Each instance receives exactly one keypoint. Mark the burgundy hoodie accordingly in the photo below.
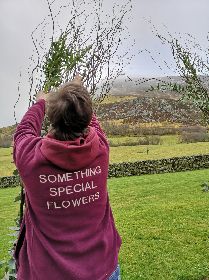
(70, 230)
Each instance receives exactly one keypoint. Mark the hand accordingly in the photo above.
(41, 95)
(77, 80)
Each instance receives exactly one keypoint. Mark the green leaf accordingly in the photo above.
(15, 172)
(2, 263)
(17, 198)
(11, 264)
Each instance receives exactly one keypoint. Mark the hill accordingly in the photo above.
(132, 102)
(135, 86)
(146, 107)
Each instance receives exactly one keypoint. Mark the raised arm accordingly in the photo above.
(28, 133)
(95, 123)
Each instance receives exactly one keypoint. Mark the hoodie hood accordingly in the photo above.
(74, 154)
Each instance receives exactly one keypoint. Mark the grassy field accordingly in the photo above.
(164, 140)
(134, 153)
(8, 212)
(6, 165)
(163, 221)
(170, 148)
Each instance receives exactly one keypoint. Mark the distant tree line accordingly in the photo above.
(6, 136)
(5, 141)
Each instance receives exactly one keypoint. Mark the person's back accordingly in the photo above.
(70, 231)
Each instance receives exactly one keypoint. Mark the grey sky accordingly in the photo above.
(18, 18)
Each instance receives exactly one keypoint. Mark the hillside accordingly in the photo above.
(132, 102)
(148, 107)
(135, 86)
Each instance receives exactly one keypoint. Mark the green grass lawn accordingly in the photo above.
(6, 165)
(164, 224)
(8, 213)
(134, 153)
(164, 139)
(163, 220)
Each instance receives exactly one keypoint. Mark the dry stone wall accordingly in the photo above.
(169, 165)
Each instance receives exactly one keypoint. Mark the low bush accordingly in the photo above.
(192, 129)
(5, 141)
(124, 129)
(125, 143)
(194, 137)
(194, 134)
(150, 140)
(114, 129)
(144, 140)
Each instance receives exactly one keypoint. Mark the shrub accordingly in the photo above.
(5, 141)
(195, 128)
(194, 137)
(125, 129)
(194, 134)
(144, 140)
(116, 129)
(129, 143)
(150, 140)
(157, 130)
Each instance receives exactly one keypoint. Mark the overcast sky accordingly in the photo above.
(18, 18)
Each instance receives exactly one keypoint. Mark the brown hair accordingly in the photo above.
(69, 111)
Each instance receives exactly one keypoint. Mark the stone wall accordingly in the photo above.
(169, 165)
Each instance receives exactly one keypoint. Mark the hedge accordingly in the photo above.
(124, 169)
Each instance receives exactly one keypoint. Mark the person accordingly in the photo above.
(68, 230)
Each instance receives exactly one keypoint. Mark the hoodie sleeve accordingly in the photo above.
(96, 125)
(28, 134)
